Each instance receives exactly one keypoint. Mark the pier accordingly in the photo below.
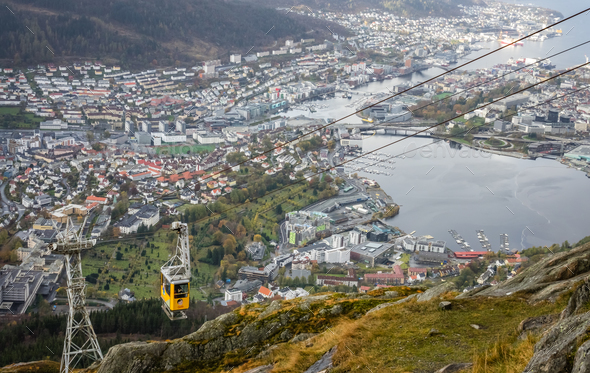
(460, 241)
(483, 240)
(504, 242)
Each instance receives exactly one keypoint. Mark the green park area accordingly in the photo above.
(496, 143)
(15, 117)
(135, 264)
(441, 96)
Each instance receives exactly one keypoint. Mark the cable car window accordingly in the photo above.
(181, 290)
(167, 287)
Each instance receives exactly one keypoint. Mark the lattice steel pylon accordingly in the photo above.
(80, 339)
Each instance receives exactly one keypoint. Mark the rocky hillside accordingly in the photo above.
(538, 321)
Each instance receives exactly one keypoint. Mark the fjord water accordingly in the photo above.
(537, 202)
(574, 31)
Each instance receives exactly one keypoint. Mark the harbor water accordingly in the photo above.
(444, 188)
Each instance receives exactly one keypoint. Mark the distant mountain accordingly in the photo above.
(141, 32)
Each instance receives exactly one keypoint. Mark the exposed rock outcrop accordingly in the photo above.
(558, 343)
(547, 279)
(324, 363)
(384, 305)
(247, 332)
(535, 324)
(436, 291)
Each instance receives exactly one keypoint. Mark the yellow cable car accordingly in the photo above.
(175, 294)
(175, 277)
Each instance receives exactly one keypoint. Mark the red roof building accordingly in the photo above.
(469, 254)
(100, 200)
(395, 277)
(265, 292)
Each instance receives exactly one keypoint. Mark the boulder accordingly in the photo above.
(445, 306)
(336, 310)
(391, 294)
(432, 332)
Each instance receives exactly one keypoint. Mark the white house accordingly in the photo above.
(233, 294)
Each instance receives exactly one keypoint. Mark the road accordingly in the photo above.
(6, 202)
(5, 209)
(283, 239)
(65, 183)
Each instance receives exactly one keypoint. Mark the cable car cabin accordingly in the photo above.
(175, 276)
(175, 296)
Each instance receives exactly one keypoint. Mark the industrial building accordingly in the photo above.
(264, 274)
(371, 253)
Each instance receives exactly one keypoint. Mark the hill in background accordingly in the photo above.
(146, 32)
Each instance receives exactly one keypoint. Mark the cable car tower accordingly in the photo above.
(175, 276)
(80, 339)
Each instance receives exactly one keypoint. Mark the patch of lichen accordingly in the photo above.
(199, 342)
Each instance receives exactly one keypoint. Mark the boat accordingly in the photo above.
(547, 64)
(349, 95)
(369, 120)
(507, 41)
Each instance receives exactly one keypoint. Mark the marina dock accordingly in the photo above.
(483, 240)
(460, 241)
(504, 245)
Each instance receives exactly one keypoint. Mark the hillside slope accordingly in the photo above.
(142, 32)
(405, 332)
(541, 325)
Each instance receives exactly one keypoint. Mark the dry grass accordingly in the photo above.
(396, 339)
(506, 356)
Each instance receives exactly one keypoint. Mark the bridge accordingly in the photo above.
(398, 131)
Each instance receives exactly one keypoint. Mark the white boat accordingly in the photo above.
(507, 41)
